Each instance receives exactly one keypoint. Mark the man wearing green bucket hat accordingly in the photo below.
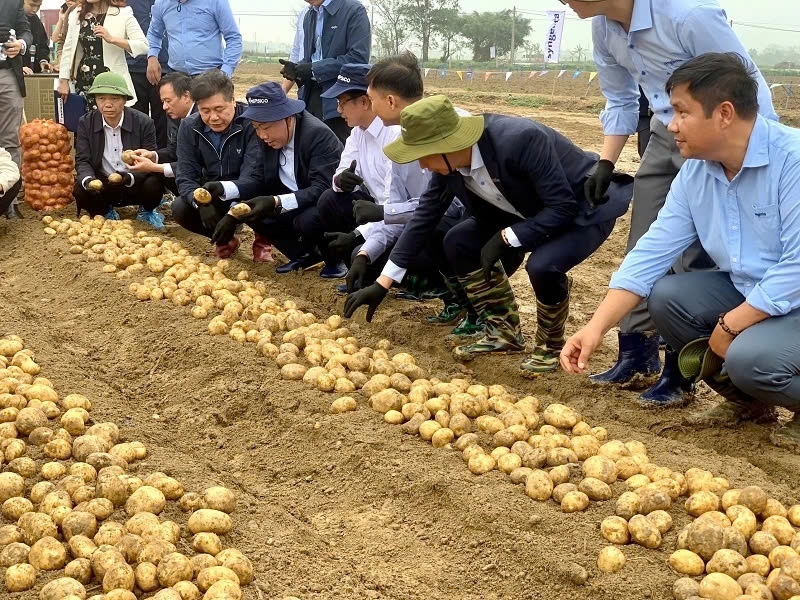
(104, 180)
(522, 183)
(738, 327)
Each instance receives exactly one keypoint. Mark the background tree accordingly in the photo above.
(390, 33)
(579, 53)
(487, 29)
(449, 38)
(425, 19)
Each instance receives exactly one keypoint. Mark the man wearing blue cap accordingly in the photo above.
(298, 154)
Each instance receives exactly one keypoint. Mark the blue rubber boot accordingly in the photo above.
(111, 215)
(151, 217)
(638, 355)
(672, 389)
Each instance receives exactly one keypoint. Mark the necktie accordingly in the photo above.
(313, 31)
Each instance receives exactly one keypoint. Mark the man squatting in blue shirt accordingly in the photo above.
(737, 194)
(640, 43)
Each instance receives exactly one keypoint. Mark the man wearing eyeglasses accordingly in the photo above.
(640, 43)
(335, 33)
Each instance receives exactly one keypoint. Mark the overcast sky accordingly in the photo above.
(785, 14)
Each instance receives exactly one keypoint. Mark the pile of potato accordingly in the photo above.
(744, 543)
(68, 501)
(47, 164)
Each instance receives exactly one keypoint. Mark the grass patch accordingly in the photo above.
(527, 101)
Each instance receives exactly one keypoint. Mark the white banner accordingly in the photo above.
(552, 42)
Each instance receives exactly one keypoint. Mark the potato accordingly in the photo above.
(779, 555)
(686, 562)
(749, 579)
(754, 498)
(560, 416)
(207, 543)
(220, 498)
(119, 576)
(644, 532)
(685, 589)
(209, 520)
(79, 569)
(239, 564)
(223, 590)
(81, 547)
(10, 534)
(343, 404)
(558, 475)
(11, 485)
(36, 526)
(705, 537)
(783, 587)
(595, 489)
(610, 559)
(201, 196)
(702, 502)
(774, 508)
(442, 437)
(509, 463)
(562, 490)
(146, 576)
(758, 563)
(173, 568)
(187, 590)
(208, 577)
(59, 589)
(729, 562)
(615, 530)
(539, 486)
(293, 372)
(628, 505)
(48, 554)
(14, 553)
(793, 514)
(600, 467)
(661, 519)
(20, 578)
(718, 586)
(574, 502)
(14, 508)
(651, 499)
(118, 595)
(780, 527)
(480, 463)
(29, 419)
(100, 508)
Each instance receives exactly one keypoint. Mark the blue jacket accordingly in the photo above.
(538, 170)
(346, 38)
(141, 10)
(239, 161)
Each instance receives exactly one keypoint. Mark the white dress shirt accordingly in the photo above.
(296, 55)
(112, 152)
(287, 175)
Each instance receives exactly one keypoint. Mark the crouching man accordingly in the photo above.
(219, 152)
(522, 184)
(104, 181)
(9, 180)
(738, 327)
(299, 154)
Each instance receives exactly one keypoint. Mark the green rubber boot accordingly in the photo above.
(551, 324)
(495, 305)
(736, 407)
(455, 305)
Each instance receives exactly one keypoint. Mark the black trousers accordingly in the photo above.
(148, 101)
(332, 214)
(8, 198)
(547, 265)
(147, 191)
(314, 106)
(283, 231)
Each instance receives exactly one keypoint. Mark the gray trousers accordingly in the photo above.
(763, 361)
(11, 106)
(659, 167)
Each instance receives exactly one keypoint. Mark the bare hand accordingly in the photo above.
(148, 154)
(27, 71)
(63, 89)
(143, 164)
(578, 349)
(103, 34)
(46, 67)
(13, 49)
(720, 341)
(153, 70)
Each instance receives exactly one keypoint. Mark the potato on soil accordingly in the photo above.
(781, 528)
(729, 562)
(146, 576)
(754, 498)
(187, 590)
(61, 588)
(595, 489)
(628, 505)
(14, 508)
(702, 502)
(760, 564)
(704, 537)
(220, 498)
(644, 532)
(293, 372)
(343, 405)
(574, 502)
(610, 560)
(208, 577)
(208, 520)
(20, 578)
(173, 568)
(686, 562)
(119, 576)
(480, 463)
(79, 569)
(442, 437)
(539, 486)
(718, 586)
(117, 595)
(559, 415)
(146, 499)
(223, 590)
(36, 526)
(11, 485)
(79, 523)
(600, 467)
(615, 530)
(562, 490)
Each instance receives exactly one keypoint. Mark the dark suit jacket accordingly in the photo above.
(12, 14)
(538, 170)
(346, 38)
(138, 131)
(42, 43)
(169, 154)
(316, 155)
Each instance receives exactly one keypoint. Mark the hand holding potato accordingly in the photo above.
(94, 186)
(144, 164)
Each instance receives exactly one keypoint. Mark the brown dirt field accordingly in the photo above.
(352, 508)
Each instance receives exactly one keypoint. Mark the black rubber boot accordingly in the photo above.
(672, 389)
(638, 355)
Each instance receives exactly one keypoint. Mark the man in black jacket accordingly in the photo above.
(300, 155)
(104, 180)
(175, 92)
(523, 185)
(220, 152)
(12, 84)
(37, 58)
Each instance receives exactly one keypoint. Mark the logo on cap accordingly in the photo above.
(258, 100)
(344, 79)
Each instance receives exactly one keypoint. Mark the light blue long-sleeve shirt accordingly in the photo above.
(318, 32)
(195, 30)
(749, 226)
(663, 35)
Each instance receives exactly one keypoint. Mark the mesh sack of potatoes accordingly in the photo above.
(47, 164)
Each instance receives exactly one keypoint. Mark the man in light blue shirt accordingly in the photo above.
(738, 197)
(195, 30)
(639, 43)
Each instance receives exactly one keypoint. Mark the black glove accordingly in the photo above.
(127, 179)
(261, 207)
(347, 180)
(596, 186)
(93, 190)
(5, 33)
(289, 70)
(209, 215)
(216, 190)
(372, 296)
(303, 72)
(355, 276)
(366, 211)
(342, 243)
(225, 230)
(493, 250)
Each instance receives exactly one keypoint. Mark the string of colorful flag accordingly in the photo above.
(468, 75)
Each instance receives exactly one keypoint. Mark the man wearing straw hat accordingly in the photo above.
(639, 43)
(522, 183)
(739, 199)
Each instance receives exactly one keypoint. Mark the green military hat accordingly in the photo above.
(697, 361)
(432, 126)
(109, 83)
